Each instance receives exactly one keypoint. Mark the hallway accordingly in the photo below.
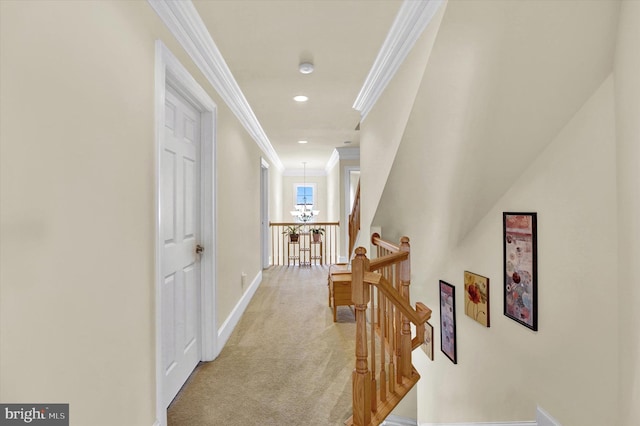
(286, 363)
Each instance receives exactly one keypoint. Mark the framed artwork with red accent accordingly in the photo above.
(476, 298)
(520, 268)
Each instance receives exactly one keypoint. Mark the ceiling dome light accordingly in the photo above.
(301, 98)
(306, 68)
(303, 141)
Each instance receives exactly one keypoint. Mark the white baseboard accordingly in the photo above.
(224, 332)
(544, 419)
(525, 423)
(392, 420)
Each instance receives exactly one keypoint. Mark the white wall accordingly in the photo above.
(495, 127)
(288, 199)
(504, 371)
(382, 129)
(77, 206)
(627, 79)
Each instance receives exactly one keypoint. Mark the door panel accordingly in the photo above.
(180, 225)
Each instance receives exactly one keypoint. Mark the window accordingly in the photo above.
(304, 194)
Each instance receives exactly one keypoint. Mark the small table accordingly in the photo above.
(339, 290)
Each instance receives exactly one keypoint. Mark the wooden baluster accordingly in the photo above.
(405, 336)
(382, 305)
(392, 346)
(361, 374)
(374, 395)
(397, 329)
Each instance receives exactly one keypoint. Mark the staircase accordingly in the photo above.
(383, 372)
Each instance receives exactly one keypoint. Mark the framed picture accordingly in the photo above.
(427, 345)
(476, 297)
(448, 321)
(520, 268)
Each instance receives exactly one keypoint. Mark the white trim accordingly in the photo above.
(264, 213)
(169, 70)
(301, 172)
(392, 420)
(184, 22)
(230, 323)
(341, 154)
(333, 160)
(544, 419)
(524, 423)
(352, 153)
(346, 182)
(411, 20)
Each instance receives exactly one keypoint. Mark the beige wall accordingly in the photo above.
(288, 200)
(505, 371)
(627, 78)
(275, 195)
(333, 193)
(382, 129)
(510, 117)
(77, 206)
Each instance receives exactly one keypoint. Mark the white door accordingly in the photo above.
(180, 227)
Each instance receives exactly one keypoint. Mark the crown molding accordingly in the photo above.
(301, 172)
(184, 22)
(351, 153)
(333, 160)
(411, 20)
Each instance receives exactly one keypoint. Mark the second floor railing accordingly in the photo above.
(305, 251)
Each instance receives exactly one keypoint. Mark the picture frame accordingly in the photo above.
(427, 344)
(520, 268)
(476, 298)
(448, 321)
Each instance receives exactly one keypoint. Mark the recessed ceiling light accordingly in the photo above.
(306, 68)
(303, 141)
(301, 98)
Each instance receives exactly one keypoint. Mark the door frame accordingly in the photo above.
(346, 182)
(264, 212)
(169, 71)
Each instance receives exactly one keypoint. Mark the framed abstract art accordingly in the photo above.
(520, 268)
(448, 321)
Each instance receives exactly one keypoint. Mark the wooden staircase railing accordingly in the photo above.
(354, 222)
(383, 372)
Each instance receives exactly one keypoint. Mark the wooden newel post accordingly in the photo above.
(405, 335)
(360, 295)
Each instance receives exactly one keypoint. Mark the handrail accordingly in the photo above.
(417, 318)
(354, 221)
(388, 260)
(381, 380)
(377, 241)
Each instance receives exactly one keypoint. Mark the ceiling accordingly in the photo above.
(264, 41)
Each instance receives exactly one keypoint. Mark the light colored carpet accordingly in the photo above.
(286, 363)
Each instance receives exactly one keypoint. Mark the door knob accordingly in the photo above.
(199, 249)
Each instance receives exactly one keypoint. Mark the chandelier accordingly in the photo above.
(304, 212)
